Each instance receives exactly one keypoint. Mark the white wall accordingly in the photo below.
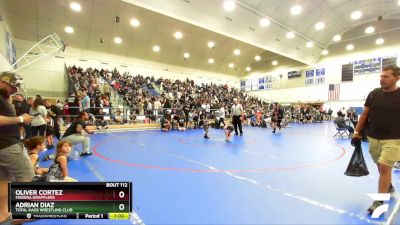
(48, 75)
(353, 93)
(44, 77)
(4, 63)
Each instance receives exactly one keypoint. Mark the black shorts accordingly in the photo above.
(49, 131)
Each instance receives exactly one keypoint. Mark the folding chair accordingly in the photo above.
(341, 132)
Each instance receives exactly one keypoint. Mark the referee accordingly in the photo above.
(237, 111)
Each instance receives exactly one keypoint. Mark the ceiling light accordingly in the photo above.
(211, 44)
(69, 29)
(309, 44)
(186, 55)
(236, 52)
(117, 40)
(229, 5)
(356, 15)
(398, 3)
(178, 35)
(134, 22)
(257, 58)
(337, 37)
(379, 41)
(75, 6)
(211, 60)
(296, 10)
(349, 47)
(324, 52)
(264, 22)
(319, 26)
(156, 48)
(231, 65)
(370, 30)
(290, 35)
(274, 62)
(248, 69)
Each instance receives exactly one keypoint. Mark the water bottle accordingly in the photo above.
(76, 155)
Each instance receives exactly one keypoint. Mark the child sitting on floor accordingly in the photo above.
(228, 130)
(181, 122)
(35, 145)
(58, 171)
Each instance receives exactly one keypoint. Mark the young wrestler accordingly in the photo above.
(228, 130)
(60, 161)
(35, 145)
(206, 126)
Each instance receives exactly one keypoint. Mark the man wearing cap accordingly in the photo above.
(14, 160)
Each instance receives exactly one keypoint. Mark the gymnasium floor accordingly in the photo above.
(292, 177)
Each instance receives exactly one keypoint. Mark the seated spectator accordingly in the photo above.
(100, 121)
(181, 122)
(174, 121)
(195, 119)
(258, 117)
(106, 89)
(265, 120)
(341, 123)
(34, 146)
(190, 120)
(166, 123)
(85, 102)
(118, 117)
(132, 117)
(307, 118)
(253, 120)
(75, 107)
(60, 105)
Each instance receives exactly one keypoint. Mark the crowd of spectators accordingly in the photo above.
(194, 101)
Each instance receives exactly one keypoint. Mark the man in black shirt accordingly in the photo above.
(14, 161)
(75, 136)
(382, 108)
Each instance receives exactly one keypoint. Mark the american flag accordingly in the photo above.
(334, 92)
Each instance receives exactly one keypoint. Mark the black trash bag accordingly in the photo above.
(357, 166)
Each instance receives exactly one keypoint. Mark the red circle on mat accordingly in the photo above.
(262, 170)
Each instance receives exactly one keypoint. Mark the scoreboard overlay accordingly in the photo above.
(70, 200)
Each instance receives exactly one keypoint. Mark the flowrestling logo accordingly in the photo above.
(383, 208)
